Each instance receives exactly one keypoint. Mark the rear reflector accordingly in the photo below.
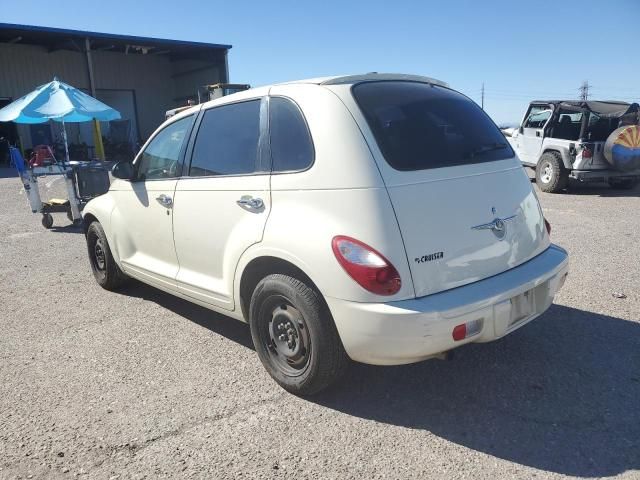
(466, 330)
(366, 266)
(460, 332)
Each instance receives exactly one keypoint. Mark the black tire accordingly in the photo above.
(294, 335)
(105, 269)
(551, 176)
(47, 220)
(623, 184)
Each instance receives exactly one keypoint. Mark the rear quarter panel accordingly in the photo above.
(560, 146)
(303, 223)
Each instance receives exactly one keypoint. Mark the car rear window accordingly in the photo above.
(420, 126)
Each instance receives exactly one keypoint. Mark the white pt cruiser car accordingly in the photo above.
(378, 218)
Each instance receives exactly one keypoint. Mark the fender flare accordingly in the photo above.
(564, 153)
(259, 250)
(101, 209)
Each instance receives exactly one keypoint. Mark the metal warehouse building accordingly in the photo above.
(140, 77)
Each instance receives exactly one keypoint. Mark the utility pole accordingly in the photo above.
(584, 90)
(482, 101)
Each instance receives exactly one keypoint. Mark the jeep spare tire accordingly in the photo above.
(622, 148)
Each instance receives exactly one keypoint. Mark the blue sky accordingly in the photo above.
(521, 50)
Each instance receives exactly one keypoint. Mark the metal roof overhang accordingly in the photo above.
(65, 39)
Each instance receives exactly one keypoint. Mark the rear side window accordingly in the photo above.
(291, 146)
(227, 141)
(568, 125)
(420, 126)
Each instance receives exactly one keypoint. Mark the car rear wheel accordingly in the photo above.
(105, 269)
(294, 335)
(551, 176)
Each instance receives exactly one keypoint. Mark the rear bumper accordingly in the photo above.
(603, 175)
(412, 330)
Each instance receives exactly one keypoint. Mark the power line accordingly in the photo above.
(532, 96)
(523, 93)
(482, 94)
(620, 89)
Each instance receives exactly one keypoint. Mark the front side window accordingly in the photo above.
(227, 141)
(420, 126)
(291, 146)
(538, 117)
(161, 158)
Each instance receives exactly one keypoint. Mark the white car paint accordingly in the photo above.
(199, 248)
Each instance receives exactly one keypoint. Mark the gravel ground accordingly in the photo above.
(140, 384)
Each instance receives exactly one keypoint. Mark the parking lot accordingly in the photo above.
(140, 384)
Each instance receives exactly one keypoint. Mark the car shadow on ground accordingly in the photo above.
(220, 324)
(562, 394)
(69, 228)
(601, 190)
(594, 189)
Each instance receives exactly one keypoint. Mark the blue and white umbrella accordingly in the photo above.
(57, 101)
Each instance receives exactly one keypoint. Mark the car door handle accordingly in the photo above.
(164, 200)
(255, 203)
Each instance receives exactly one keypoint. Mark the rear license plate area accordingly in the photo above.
(522, 307)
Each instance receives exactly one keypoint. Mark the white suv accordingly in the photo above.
(381, 218)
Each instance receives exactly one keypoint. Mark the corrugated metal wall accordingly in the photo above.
(24, 67)
(148, 75)
(187, 73)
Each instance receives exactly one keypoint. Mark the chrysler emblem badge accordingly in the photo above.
(498, 226)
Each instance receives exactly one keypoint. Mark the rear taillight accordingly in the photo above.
(547, 225)
(466, 330)
(366, 266)
(587, 153)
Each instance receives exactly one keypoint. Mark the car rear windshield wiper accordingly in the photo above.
(484, 148)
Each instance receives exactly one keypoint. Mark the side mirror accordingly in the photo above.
(521, 129)
(122, 170)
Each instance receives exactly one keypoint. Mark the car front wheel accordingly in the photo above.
(294, 335)
(105, 269)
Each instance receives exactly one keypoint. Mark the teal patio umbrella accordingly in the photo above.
(57, 101)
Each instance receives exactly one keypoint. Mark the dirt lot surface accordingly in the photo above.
(139, 384)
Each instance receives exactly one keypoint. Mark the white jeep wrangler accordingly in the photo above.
(589, 141)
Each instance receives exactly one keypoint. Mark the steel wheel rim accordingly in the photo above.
(99, 255)
(285, 336)
(547, 173)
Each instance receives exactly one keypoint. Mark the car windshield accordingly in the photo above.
(420, 126)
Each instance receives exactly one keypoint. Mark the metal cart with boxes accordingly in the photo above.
(83, 181)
